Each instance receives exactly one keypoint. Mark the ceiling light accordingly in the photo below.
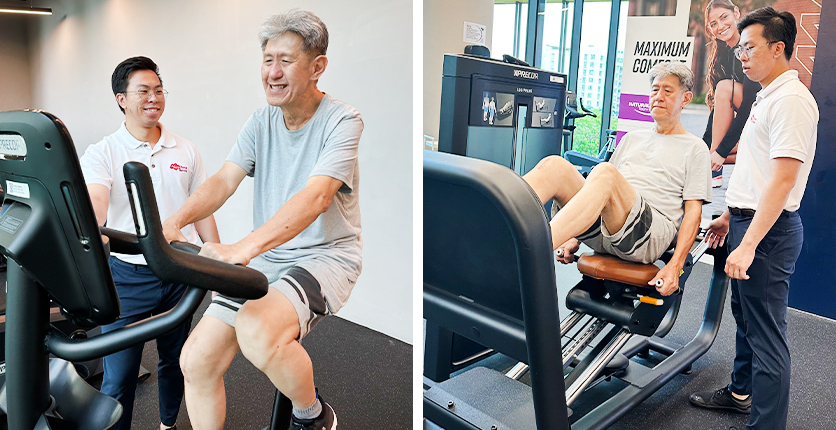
(26, 10)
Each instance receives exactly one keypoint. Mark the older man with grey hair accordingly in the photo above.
(302, 151)
(654, 186)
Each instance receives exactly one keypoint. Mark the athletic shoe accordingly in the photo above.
(721, 399)
(327, 420)
(717, 181)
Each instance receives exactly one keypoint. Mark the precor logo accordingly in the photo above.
(525, 74)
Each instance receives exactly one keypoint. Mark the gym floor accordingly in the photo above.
(365, 375)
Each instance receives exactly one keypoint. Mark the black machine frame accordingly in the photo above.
(489, 277)
(46, 207)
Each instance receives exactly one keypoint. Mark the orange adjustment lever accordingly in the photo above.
(651, 300)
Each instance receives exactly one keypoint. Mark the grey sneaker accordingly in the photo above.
(327, 420)
(721, 399)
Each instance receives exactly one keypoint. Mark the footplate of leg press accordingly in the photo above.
(485, 398)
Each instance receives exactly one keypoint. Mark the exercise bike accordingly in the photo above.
(57, 254)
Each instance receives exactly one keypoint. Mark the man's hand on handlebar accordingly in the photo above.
(172, 232)
(669, 275)
(232, 254)
(566, 253)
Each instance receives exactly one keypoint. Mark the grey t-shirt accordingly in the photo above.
(665, 169)
(281, 161)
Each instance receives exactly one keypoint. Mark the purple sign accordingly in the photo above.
(618, 136)
(635, 107)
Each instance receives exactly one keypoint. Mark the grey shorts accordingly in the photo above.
(307, 284)
(643, 238)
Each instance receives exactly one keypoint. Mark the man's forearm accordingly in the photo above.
(207, 199)
(771, 204)
(207, 230)
(294, 216)
(685, 239)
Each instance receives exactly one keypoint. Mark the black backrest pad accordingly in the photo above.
(486, 234)
(47, 224)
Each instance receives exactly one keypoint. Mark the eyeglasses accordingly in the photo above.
(740, 51)
(146, 94)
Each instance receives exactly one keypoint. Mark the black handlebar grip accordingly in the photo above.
(175, 265)
(185, 246)
(121, 242)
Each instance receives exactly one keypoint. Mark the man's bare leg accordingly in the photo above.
(267, 329)
(205, 357)
(605, 193)
(554, 178)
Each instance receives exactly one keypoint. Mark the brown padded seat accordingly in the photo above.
(603, 266)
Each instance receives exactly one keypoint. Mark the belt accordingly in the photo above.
(742, 212)
(750, 213)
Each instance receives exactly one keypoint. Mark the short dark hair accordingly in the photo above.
(777, 26)
(119, 79)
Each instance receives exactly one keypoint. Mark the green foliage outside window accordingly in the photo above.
(588, 133)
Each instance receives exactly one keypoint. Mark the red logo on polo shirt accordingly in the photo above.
(179, 168)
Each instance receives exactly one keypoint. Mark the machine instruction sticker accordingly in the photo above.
(17, 189)
(10, 224)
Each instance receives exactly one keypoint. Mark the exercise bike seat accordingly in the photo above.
(612, 268)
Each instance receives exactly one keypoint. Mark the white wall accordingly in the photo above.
(15, 86)
(209, 60)
(444, 34)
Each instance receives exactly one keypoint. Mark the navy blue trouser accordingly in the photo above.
(759, 306)
(142, 295)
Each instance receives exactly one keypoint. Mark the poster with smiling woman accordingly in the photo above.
(703, 34)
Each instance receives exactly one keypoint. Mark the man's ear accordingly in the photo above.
(319, 65)
(687, 99)
(778, 48)
(120, 98)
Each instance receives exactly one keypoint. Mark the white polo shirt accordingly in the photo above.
(176, 170)
(783, 123)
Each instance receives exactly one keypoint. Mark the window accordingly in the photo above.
(560, 43)
(510, 25)
(557, 36)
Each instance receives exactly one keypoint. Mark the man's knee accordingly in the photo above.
(554, 165)
(190, 368)
(264, 340)
(605, 172)
(199, 364)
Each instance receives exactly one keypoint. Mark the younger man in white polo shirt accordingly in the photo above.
(763, 226)
(176, 171)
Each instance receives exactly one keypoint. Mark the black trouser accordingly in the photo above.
(141, 295)
(759, 306)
